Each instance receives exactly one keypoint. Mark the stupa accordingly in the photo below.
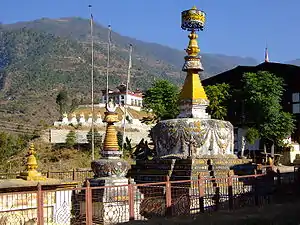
(110, 170)
(189, 146)
(193, 134)
(30, 173)
(192, 144)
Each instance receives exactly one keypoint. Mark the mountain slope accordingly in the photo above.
(154, 54)
(295, 62)
(39, 58)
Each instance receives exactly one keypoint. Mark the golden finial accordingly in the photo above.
(30, 172)
(194, 7)
(110, 141)
(193, 48)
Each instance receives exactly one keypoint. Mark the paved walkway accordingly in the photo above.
(279, 214)
(285, 169)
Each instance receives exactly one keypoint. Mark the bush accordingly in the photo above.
(71, 139)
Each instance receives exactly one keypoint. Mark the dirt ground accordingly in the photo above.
(279, 214)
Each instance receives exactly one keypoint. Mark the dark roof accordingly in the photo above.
(235, 75)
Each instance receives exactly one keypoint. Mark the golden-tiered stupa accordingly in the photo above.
(30, 173)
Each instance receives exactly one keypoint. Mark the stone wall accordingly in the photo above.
(59, 136)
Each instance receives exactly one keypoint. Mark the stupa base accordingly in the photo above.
(31, 176)
(193, 138)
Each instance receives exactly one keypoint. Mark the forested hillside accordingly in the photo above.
(39, 58)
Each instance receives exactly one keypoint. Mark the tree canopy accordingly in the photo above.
(62, 100)
(263, 92)
(162, 98)
(218, 96)
(97, 138)
(71, 139)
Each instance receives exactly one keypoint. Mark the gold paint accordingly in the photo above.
(193, 48)
(110, 140)
(30, 173)
(192, 88)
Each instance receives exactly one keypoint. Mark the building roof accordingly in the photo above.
(235, 75)
(121, 89)
(86, 111)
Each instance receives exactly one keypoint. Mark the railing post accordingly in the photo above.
(168, 197)
(48, 174)
(74, 175)
(278, 176)
(230, 191)
(256, 199)
(40, 207)
(88, 204)
(201, 190)
(131, 199)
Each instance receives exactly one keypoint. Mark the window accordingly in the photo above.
(296, 108)
(296, 102)
(295, 97)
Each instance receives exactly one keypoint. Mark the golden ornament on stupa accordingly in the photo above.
(192, 93)
(30, 173)
(110, 146)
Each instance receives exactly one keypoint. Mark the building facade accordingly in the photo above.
(290, 99)
(134, 98)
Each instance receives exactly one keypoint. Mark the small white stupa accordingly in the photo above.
(89, 121)
(99, 119)
(65, 120)
(82, 119)
(74, 119)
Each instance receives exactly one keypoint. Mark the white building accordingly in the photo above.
(134, 98)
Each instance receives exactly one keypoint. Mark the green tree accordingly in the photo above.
(263, 91)
(74, 104)
(97, 138)
(120, 139)
(71, 139)
(62, 101)
(162, 98)
(218, 96)
(128, 150)
(12, 144)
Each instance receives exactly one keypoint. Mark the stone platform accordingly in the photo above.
(156, 170)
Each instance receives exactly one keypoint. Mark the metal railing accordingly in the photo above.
(71, 175)
(117, 204)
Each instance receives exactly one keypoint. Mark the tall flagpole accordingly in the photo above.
(108, 62)
(92, 78)
(127, 89)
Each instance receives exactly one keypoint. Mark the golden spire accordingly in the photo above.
(110, 144)
(192, 88)
(30, 172)
(193, 99)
